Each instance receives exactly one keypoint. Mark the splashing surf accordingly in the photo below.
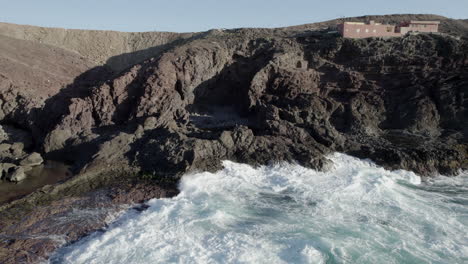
(356, 212)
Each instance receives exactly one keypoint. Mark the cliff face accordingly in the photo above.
(252, 97)
(262, 95)
(178, 103)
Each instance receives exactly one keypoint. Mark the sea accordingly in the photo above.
(354, 212)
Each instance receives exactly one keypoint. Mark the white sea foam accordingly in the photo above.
(356, 212)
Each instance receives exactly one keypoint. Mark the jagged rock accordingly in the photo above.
(17, 174)
(4, 147)
(56, 139)
(210, 97)
(226, 139)
(150, 123)
(33, 159)
(139, 131)
(247, 95)
(5, 169)
(17, 149)
(257, 96)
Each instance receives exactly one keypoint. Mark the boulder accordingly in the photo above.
(33, 159)
(150, 123)
(17, 174)
(226, 139)
(17, 149)
(56, 139)
(5, 169)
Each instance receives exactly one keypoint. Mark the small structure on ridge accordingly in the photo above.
(372, 29)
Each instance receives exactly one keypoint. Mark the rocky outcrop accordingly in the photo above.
(248, 95)
(33, 159)
(16, 175)
(31, 74)
(51, 226)
(252, 97)
(259, 96)
(14, 158)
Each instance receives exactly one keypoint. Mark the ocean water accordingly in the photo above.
(356, 212)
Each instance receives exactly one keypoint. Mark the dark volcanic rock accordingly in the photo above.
(16, 174)
(248, 95)
(256, 98)
(36, 234)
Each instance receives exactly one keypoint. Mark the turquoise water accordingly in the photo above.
(356, 212)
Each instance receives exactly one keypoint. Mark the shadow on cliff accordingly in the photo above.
(220, 103)
(230, 87)
(48, 117)
(81, 87)
(125, 60)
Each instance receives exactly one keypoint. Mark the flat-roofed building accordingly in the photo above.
(372, 29)
(419, 26)
(366, 30)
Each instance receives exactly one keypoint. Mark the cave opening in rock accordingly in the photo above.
(223, 100)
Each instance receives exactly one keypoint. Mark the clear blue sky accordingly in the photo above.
(200, 15)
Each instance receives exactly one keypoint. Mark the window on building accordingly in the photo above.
(367, 30)
(358, 30)
(374, 31)
(389, 29)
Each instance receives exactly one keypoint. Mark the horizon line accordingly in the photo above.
(188, 32)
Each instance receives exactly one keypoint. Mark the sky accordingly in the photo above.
(202, 15)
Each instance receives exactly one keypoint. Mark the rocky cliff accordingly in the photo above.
(256, 96)
(175, 103)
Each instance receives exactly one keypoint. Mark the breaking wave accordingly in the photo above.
(356, 212)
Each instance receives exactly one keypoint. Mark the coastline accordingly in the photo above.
(132, 124)
(34, 226)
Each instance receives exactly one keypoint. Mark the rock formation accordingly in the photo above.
(255, 96)
(248, 95)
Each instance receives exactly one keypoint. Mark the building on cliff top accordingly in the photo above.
(372, 29)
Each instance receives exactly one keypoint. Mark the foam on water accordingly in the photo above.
(356, 212)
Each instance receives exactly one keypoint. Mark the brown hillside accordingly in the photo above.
(36, 68)
(97, 46)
